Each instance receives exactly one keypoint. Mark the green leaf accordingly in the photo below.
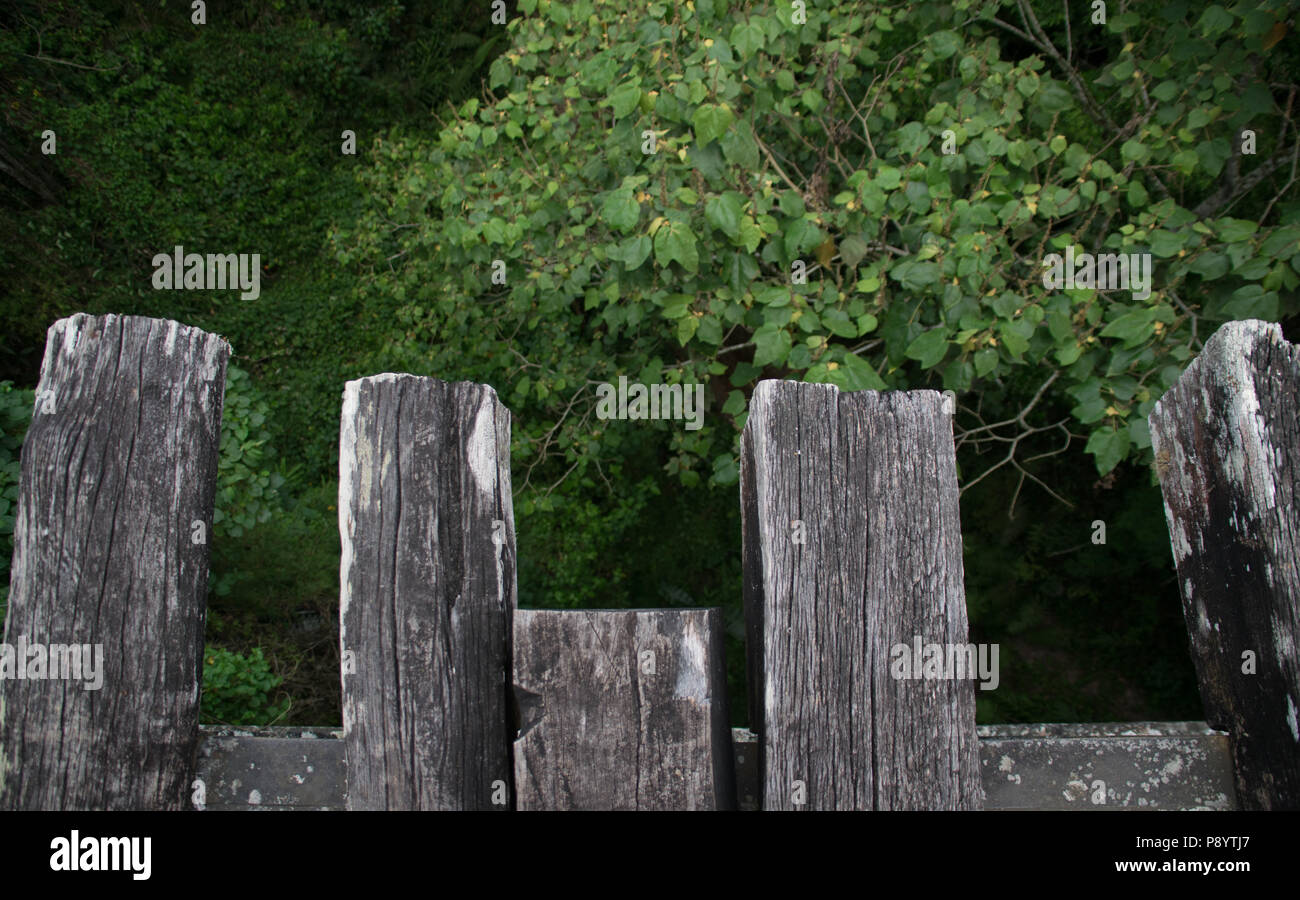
(1186, 161)
(621, 211)
(856, 374)
(739, 147)
(494, 229)
(1251, 302)
(929, 347)
(675, 242)
(747, 38)
(1132, 328)
(800, 236)
(1215, 20)
(677, 306)
(837, 322)
(711, 121)
(852, 250)
(771, 344)
(724, 211)
(1233, 230)
(1166, 91)
(624, 99)
(915, 276)
(1053, 97)
(986, 361)
(945, 43)
(888, 177)
(772, 295)
(1108, 446)
(1134, 150)
(725, 470)
(1015, 335)
(1210, 265)
(1166, 243)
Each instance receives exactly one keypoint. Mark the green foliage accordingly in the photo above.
(15, 415)
(775, 141)
(232, 144)
(276, 587)
(926, 267)
(248, 491)
(237, 689)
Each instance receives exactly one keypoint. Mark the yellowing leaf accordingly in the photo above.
(826, 251)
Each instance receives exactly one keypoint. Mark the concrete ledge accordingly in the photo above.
(1080, 766)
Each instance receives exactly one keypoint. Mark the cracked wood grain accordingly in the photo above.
(852, 545)
(622, 710)
(1226, 440)
(427, 588)
(111, 548)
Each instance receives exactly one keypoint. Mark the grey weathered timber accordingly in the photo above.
(1227, 447)
(427, 588)
(279, 768)
(111, 552)
(1129, 765)
(852, 546)
(1145, 765)
(622, 710)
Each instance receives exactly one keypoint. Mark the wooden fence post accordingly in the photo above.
(427, 589)
(622, 710)
(852, 548)
(1226, 439)
(110, 567)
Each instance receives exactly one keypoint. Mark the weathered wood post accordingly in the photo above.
(427, 589)
(622, 710)
(1227, 446)
(852, 549)
(110, 567)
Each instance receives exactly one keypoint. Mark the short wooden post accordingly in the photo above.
(852, 549)
(622, 710)
(427, 584)
(1226, 439)
(110, 567)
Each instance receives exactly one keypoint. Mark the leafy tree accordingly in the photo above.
(782, 142)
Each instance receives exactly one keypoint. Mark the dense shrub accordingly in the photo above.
(821, 144)
(237, 689)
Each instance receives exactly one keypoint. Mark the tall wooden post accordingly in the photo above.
(110, 568)
(427, 587)
(852, 549)
(1227, 448)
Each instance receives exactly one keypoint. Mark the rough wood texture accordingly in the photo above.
(1227, 448)
(111, 548)
(427, 588)
(868, 482)
(622, 710)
